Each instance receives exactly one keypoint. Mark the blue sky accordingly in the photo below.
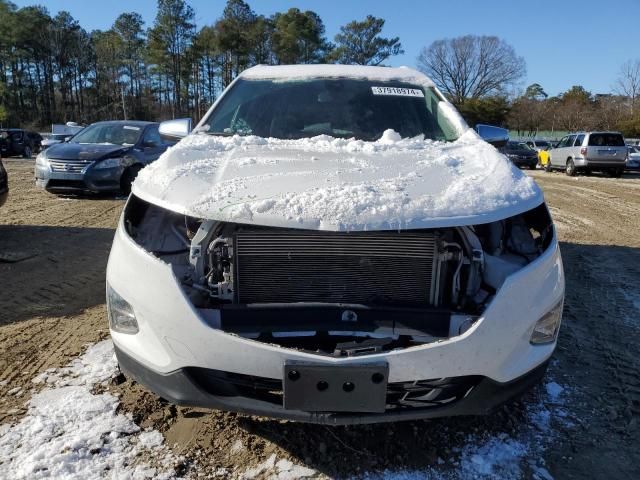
(564, 42)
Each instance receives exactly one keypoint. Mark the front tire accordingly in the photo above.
(571, 168)
(128, 176)
(616, 172)
(27, 152)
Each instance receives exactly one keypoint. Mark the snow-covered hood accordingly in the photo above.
(335, 184)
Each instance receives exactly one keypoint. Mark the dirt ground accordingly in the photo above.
(53, 254)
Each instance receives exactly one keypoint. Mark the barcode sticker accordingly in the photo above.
(398, 91)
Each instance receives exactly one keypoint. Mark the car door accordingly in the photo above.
(152, 144)
(565, 151)
(556, 153)
(17, 142)
(577, 144)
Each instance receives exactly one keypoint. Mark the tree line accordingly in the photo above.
(480, 74)
(52, 70)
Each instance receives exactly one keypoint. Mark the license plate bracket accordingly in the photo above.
(335, 388)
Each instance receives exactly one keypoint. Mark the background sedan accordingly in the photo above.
(105, 156)
(521, 154)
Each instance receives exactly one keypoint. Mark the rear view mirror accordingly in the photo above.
(496, 136)
(175, 129)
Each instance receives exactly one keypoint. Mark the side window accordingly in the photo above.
(563, 142)
(579, 140)
(152, 136)
(16, 136)
(570, 140)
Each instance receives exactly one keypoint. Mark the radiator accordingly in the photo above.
(369, 268)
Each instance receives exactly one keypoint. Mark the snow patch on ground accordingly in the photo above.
(69, 432)
(278, 469)
(482, 456)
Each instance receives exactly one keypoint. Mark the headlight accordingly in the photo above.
(42, 160)
(546, 329)
(108, 163)
(120, 313)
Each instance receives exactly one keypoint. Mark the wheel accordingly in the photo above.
(27, 152)
(533, 166)
(128, 177)
(616, 172)
(571, 168)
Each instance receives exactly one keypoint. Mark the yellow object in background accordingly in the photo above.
(543, 157)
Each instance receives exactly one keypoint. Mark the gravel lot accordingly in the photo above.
(53, 254)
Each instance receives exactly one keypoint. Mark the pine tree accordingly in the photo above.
(360, 43)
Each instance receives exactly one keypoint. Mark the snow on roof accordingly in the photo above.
(297, 72)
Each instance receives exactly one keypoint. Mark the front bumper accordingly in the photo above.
(524, 162)
(632, 166)
(181, 387)
(91, 180)
(175, 338)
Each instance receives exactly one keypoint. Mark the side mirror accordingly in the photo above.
(174, 130)
(496, 136)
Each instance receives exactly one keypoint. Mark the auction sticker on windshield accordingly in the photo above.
(398, 91)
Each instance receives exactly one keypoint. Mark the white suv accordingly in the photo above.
(588, 151)
(333, 244)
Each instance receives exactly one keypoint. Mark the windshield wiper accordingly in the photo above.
(223, 134)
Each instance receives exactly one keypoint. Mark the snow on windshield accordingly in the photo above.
(338, 184)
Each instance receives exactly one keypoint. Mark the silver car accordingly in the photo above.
(588, 151)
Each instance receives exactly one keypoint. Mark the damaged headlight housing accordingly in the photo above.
(546, 329)
(122, 319)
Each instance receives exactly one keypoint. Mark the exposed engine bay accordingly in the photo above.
(339, 293)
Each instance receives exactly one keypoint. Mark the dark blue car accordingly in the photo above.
(105, 156)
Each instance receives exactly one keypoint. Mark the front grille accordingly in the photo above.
(400, 395)
(370, 268)
(430, 393)
(68, 166)
(66, 184)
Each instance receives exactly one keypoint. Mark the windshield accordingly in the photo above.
(345, 108)
(116, 134)
(515, 146)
